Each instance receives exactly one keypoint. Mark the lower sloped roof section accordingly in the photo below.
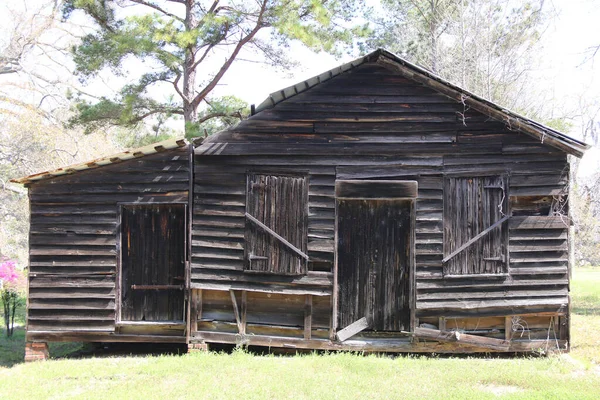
(102, 161)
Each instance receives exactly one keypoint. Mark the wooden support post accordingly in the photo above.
(308, 317)
(36, 351)
(199, 303)
(236, 312)
(442, 324)
(508, 327)
(194, 311)
(244, 311)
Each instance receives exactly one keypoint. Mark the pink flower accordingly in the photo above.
(10, 276)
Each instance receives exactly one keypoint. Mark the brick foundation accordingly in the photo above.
(35, 351)
(194, 347)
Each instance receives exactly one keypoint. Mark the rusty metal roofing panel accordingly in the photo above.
(99, 162)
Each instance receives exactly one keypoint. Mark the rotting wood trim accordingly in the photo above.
(463, 338)
(353, 329)
(277, 236)
(475, 239)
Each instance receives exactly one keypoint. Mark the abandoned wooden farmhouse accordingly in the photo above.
(374, 207)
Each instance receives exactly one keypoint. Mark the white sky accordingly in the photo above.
(565, 46)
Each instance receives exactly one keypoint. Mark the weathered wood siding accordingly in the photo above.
(372, 123)
(73, 240)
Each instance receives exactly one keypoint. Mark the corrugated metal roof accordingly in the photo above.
(542, 131)
(99, 162)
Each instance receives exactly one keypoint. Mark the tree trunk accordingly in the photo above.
(190, 111)
(15, 299)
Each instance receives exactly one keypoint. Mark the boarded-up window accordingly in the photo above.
(471, 205)
(277, 212)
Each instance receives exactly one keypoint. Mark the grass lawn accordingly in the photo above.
(336, 375)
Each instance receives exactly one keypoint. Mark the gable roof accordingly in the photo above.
(383, 57)
(140, 152)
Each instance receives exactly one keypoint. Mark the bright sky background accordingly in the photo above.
(566, 45)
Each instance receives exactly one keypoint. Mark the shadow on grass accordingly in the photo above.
(586, 310)
(12, 349)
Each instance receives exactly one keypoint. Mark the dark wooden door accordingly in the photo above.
(374, 253)
(152, 262)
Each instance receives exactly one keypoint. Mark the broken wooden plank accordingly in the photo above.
(352, 329)
(463, 338)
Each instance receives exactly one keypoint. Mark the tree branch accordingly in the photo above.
(213, 83)
(203, 56)
(179, 92)
(157, 8)
(235, 114)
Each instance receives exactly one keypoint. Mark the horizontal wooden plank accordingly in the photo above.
(72, 292)
(539, 191)
(70, 281)
(312, 278)
(341, 149)
(169, 197)
(72, 228)
(560, 180)
(395, 137)
(71, 240)
(334, 100)
(539, 222)
(72, 304)
(547, 270)
(491, 294)
(538, 234)
(300, 290)
(73, 251)
(108, 188)
(75, 335)
(470, 283)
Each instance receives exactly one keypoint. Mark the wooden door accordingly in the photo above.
(153, 262)
(374, 259)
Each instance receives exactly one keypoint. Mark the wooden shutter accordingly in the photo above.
(470, 206)
(281, 204)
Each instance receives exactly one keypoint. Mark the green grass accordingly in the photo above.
(335, 375)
